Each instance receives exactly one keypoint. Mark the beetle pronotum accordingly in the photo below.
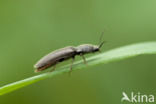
(63, 54)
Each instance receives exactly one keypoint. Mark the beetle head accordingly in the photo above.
(97, 48)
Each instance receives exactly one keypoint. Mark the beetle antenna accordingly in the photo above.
(100, 39)
(101, 44)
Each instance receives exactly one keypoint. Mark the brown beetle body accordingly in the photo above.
(63, 54)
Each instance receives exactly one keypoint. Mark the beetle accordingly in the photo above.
(60, 55)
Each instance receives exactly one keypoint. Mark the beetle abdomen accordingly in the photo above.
(55, 57)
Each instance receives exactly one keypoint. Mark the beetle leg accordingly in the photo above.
(53, 68)
(85, 62)
(73, 58)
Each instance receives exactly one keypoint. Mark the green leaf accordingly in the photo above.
(103, 58)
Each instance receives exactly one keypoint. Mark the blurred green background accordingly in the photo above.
(29, 29)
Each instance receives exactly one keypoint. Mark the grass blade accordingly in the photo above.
(103, 58)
